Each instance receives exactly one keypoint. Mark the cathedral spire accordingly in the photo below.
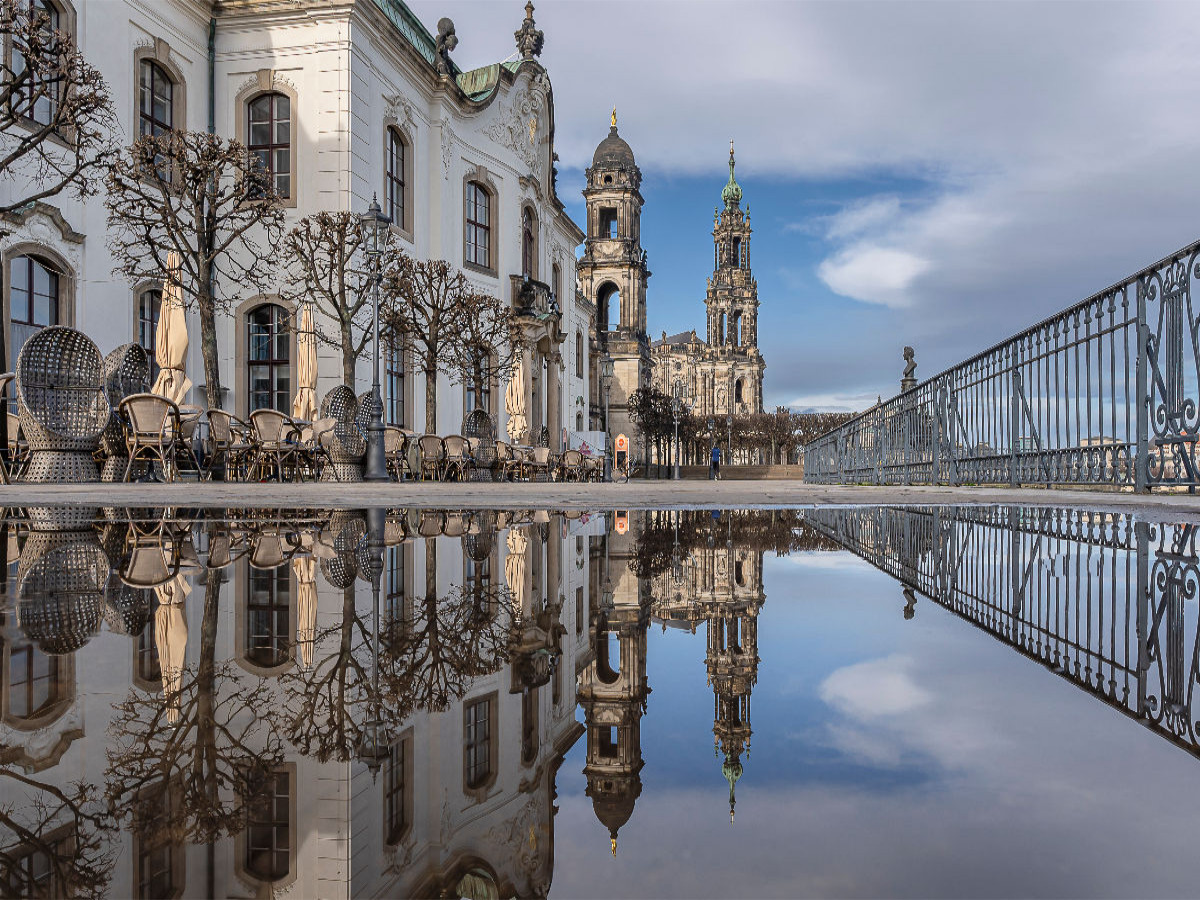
(732, 194)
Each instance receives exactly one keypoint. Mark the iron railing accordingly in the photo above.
(1100, 599)
(1106, 392)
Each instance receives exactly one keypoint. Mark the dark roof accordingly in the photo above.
(613, 152)
(684, 337)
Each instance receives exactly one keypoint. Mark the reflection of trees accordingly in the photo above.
(217, 756)
(55, 840)
(325, 707)
(432, 650)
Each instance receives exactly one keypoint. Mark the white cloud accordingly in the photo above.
(872, 689)
(873, 274)
(862, 215)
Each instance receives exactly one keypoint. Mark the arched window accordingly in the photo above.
(721, 329)
(149, 308)
(394, 383)
(735, 330)
(268, 358)
(268, 847)
(478, 219)
(397, 792)
(34, 299)
(737, 391)
(269, 137)
(556, 283)
(737, 252)
(156, 107)
(529, 726)
(35, 683)
(579, 354)
(478, 388)
(528, 244)
(395, 183)
(478, 729)
(267, 631)
(38, 97)
(608, 297)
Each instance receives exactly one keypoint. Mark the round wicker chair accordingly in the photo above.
(61, 404)
(126, 372)
(344, 442)
(60, 600)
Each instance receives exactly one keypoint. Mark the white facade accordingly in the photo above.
(350, 71)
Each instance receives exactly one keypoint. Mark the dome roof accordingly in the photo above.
(613, 152)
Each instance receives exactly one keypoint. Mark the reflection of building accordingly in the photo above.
(721, 585)
(613, 689)
(613, 275)
(463, 802)
(724, 370)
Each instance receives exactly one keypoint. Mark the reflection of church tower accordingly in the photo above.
(612, 691)
(613, 274)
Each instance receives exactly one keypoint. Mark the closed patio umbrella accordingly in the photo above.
(514, 571)
(514, 405)
(306, 609)
(304, 404)
(171, 338)
(170, 639)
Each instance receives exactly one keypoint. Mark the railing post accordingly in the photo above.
(1014, 414)
(1141, 460)
(936, 475)
(1142, 598)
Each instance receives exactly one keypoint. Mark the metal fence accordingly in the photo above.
(1106, 392)
(1100, 599)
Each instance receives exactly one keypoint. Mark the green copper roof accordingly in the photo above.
(409, 26)
(732, 194)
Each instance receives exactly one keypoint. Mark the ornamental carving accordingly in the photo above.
(520, 124)
(447, 146)
(399, 108)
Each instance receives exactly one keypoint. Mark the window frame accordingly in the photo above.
(280, 330)
(397, 184)
(57, 14)
(398, 817)
(243, 839)
(272, 145)
(478, 786)
(474, 228)
(529, 242)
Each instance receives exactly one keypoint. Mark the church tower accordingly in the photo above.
(613, 276)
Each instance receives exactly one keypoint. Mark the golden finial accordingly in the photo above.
(613, 841)
(731, 146)
(614, 117)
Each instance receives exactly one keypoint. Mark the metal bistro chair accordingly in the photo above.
(537, 464)
(570, 466)
(455, 457)
(230, 443)
(506, 465)
(153, 432)
(61, 404)
(395, 445)
(126, 372)
(431, 449)
(343, 443)
(275, 442)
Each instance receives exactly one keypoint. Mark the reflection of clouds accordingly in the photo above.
(825, 559)
(879, 687)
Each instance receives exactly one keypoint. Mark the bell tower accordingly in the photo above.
(732, 299)
(613, 275)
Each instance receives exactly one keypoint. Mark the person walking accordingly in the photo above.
(714, 470)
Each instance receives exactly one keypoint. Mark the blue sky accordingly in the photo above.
(933, 174)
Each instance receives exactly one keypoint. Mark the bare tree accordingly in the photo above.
(489, 343)
(439, 315)
(219, 755)
(56, 115)
(325, 262)
(206, 199)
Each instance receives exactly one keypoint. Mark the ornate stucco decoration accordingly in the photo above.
(400, 109)
(265, 80)
(447, 145)
(520, 125)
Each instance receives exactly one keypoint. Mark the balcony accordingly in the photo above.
(533, 298)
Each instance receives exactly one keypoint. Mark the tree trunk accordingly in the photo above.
(430, 398)
(348, 356)
(208, 339)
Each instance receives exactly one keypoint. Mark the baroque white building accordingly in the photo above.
(346, 100)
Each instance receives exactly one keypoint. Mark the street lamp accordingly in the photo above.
(729, 444)
(373, 226)
(678, 400)
(374, 745)
(606, 376)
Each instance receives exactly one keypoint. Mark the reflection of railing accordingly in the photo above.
(1104, 392)
(1100, 599)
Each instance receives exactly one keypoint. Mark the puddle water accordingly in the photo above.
(820, 702)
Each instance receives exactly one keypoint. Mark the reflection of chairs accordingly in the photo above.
(430, 446)
(342, 442)
(153, 432)
(455, 457)
(272, 546)
(275, 443)
(61, 404)
(149, 560)
(395, 447)
(61, 594)
(456, 524)
(126, 372)
(229, 444)
(432, 523)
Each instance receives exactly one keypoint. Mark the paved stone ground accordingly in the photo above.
(635, 495)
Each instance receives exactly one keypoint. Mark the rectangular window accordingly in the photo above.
(38, 97)
(481, 398)
(478, 225)
(268, 617)
(477, 739)
(149, 308)
(396, 792)
(394, 191)
(268, 831)
(395, 609)
(270, 138)
(394, 375)
(578, 354)
(579, 623)
(608, 222)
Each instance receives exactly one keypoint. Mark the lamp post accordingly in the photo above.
(729, 441)
(606, 377)
(374, 229)
(374, 745)
(711, 430)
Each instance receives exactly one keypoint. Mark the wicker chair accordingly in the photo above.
(570, 466)
(395, 449)
(537, 464)
(126, 372)
(275, 442)
(343, 443)
(455, 458)
(507, 465)
(154, 433)
(478, 427)
(432, 450)
(230, 443)
(60, 598)
(61, 404)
